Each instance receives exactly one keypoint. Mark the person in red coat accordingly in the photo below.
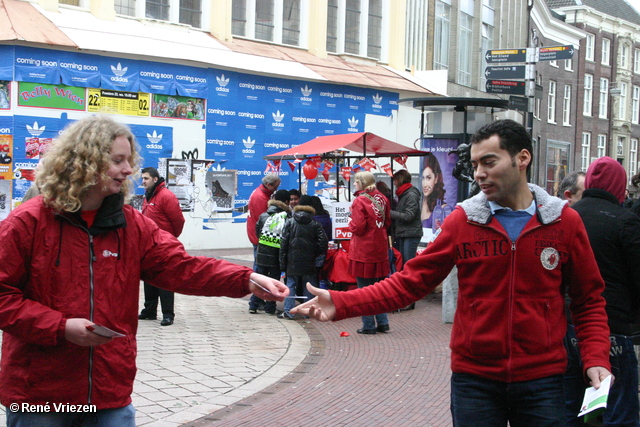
(258, 205)
(163, 207)
(72, 261)
(369, 248)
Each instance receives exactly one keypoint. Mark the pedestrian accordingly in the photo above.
(294, 197)
(258, 205)
(269, 232)
(516, 249)
(163, 207)
(614, 234)
(571, 187)
(303, 249)
(72, 261)
(322, 216)
(369, 246)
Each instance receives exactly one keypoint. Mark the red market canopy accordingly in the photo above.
(365, 144)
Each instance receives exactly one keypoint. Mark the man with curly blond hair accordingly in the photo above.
(73, 258)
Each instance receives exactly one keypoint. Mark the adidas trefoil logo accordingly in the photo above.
(34, 130)
(353, 122)
(154, 138)
(377, 99)
(222, 81)
(118, 70)
(248, 142)
(306, 91)
(277, 116)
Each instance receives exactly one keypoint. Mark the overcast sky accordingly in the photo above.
(635, 3)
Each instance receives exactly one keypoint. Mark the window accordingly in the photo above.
(568, 64)
(586, 151)
(624, 56)
(442, 28)
(620, 146)
(264, 20)
(291, 22)
(190, 12)
(416, 35)
(635, 105)
(551, 102)
(636, 61)
(125, 7)
(557, 164)
(604, 98)
(606, 44)
(588, 95)
(602, 145)
(536, 113)
(239, 18)
(356, 27)
(622, 104)
(633, 156)
(157, 9)
(554, 63)
(70, 2)
(374, 36)
(566, 106)
(590, 43)
(465, 49)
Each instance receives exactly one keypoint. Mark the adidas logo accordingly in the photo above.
(306, 91)
(353, 122)
(222, 81)
(248, 142)
(377, 99)
(118, 70)
(34, 130)
(154, 138)
(277, 116)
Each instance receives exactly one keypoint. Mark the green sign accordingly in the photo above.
(51, 96)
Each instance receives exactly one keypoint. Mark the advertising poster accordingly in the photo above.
(341, 214)
(5, 198)
(438, 186)
(6, 157)
(180, 107)
(223, 186)
(118, 102)
(58, 96)
(5, 95)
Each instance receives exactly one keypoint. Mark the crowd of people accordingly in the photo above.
(548, 297)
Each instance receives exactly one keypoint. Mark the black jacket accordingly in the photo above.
(406, 214)
(267, 256)
(303, 243)
(614, 234)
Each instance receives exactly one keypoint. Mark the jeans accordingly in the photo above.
(574, 382)
(151, 295)
(254, 301)
(407, 246)
(119, 417)
(477, 401)
(622, 404)
(369, 322)
(295, 282)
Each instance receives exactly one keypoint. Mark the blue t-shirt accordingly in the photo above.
(512, 221)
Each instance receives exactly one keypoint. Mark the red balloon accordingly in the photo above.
(310, 170)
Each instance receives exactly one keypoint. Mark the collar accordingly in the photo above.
(495, 207)
(404, 187)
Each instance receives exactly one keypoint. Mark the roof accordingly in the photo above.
(71, 27)
(364, 143)
(615, 8)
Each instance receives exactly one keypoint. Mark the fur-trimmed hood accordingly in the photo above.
(548, 208)
(274, 205)
(304, 208)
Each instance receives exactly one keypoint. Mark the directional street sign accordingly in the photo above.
(518, 103)
(508, 55)
(505, 72)
(505, 86)
(554, 53)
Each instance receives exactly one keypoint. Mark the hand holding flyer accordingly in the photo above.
(104, 331)
(595, 400)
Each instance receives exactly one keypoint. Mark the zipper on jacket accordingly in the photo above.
(92, 258)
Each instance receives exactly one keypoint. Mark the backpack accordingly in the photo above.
(271, 232)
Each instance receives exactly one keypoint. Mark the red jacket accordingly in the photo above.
(257, 206)
(369, 241)
(510, 322)
(53, 269)
(164, 209)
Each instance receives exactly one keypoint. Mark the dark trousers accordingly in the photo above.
(151, 295)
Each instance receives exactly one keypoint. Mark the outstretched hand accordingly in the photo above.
(266, 288)
(320, 308)
(76, 331)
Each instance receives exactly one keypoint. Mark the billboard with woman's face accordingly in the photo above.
(438, 186)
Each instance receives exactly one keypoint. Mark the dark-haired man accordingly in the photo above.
(163, 207)
(516, 249)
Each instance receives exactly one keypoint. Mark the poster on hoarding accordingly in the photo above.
(5, 95)
(5, 198)
(58, 96)
(180, 107)
(118, 102)
(6, 156)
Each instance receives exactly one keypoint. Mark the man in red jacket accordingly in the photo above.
(258, 205)
(516, 249)
(163, 207)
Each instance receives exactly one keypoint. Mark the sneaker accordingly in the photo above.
(284, 315)
(253, 311)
